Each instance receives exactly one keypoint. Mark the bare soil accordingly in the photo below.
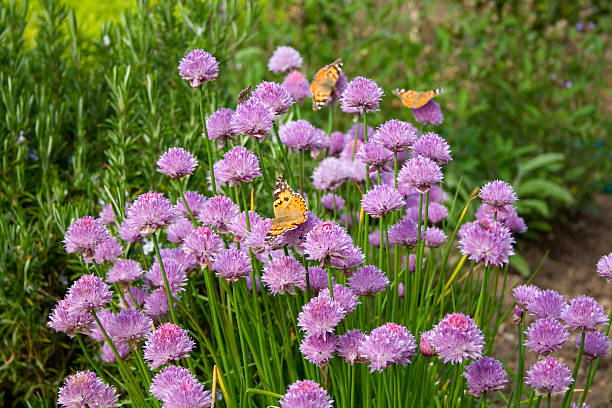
(570, 269)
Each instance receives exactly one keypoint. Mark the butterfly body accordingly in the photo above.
(289, 210)
(324, 83)
(415, 99)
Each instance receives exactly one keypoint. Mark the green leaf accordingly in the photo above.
(542, 160)
(535, 204)
(544, 189)
(520, 264)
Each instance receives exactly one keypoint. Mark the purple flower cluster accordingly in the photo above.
(298, 135)
(177, 387)
(84, 235)
(485, 374)
(405, 233)
(239, 165)
(361, 95)
(84, 388)
(283, 275)
(219, 126)
(252, 118)
(433, 147)
(547, 303)
(284, 59)
(381, 199)
(429, 114)
(219, 212)
(327, 240)
(497, 194)
(305, 394)
(330, 174)
(176, 163)
(604, 267)
(232, 264)
(167, 343)
(297, 85)
(368, 281)
(333, 201)
(549, 376)
(584, 314)
(396, 135)
(204, 244)
(490, 244)
(150, 212)
(457, 338)
(274, 96)
(546, 335)
(386, 345)
(198, 67)
(419, 173)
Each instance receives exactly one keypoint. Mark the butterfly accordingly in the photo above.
(244, 94)
(415, 99)
(324, 83)
(289, 210)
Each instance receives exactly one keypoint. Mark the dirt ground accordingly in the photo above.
(570, 269)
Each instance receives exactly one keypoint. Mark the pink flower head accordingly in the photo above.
(388, 344)
(345, 296)
(84, 388)
(284, 59)
(419, 173)
(405, 233)
(434, 147)
(547, 303)
(368, 281)
(361, 95)
(63, 319)
(297, 85)
(584, 314)
(87, 294)
(124, 271)
(179, 230)
(273, 95)
(283, 275)
(168, 343)
(381, 200)
(374, 155)
(232, 264)
(219, 212)
(107, 251)
(330, 174)
(327, 239)
(239, 165)
(320, 316)
(429, 114)
(497, 194)
(349, 344)
(604, 267)
(396, 135)
(130, 326)
(198, 67)
(175, 273)
(549, 376)
(84, 235)
(546, 335)
(176, 163)
(485, 374)
(151, 211)
(457, 338)
(204, 244)
(298, 135)
(491, 244)
(305, 394)
(319, 349)
(252, 118)
(219, 126)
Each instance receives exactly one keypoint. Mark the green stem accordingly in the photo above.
(166, 286)
(193, 220)
(89, 359)
(382, 243)
(480, 308)
(538, 401)
(329, 279)
(570, 392)
(521, 362)
(208, 148)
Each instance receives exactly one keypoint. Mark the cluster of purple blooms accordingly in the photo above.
(212, 233)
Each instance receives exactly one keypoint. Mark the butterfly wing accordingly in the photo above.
(324, 83)
(289, 209)
(414, 99)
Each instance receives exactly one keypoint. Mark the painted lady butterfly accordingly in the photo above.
(289, 210)
(324, 83)
(415, 99)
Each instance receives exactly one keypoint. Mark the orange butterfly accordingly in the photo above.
(415, 99)
(324, 83)
(289, 210)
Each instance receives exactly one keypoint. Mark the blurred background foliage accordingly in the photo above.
(90, 96)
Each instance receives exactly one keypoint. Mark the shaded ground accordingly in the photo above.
(570, 269)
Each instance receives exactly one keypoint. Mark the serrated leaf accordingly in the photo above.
(544, 189)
